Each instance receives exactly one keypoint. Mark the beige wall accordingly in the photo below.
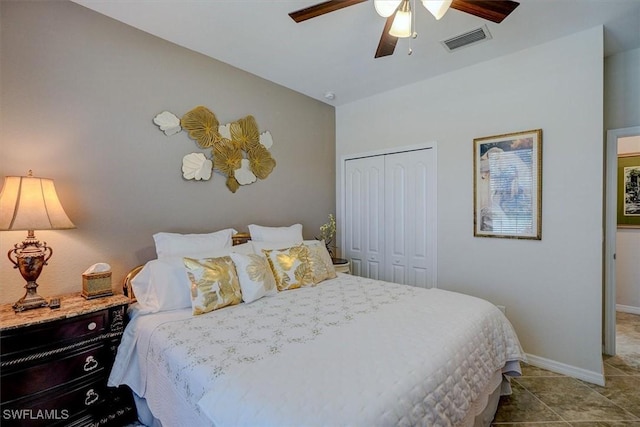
(78, 95)
(552, 289)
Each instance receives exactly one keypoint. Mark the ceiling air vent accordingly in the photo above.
(472, 37)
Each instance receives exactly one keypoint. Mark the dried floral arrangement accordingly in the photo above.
(238, 149)
(327, 233)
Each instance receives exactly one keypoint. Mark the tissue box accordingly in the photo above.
(95, 285)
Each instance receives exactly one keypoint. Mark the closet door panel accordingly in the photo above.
(395, 216)
(354, 211)
(374, 210)
(397, 274)
(420, 215)
(420, 277)
(364, 215)
(409, 216)
(356, 265)
(354, 244)
(419, 261)
(423, 219)
(373, 271)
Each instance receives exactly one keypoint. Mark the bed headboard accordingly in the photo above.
(237, 239)
(126, 283)
(240, 238)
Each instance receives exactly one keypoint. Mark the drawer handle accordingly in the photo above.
(92, 397)
(90, 364)
(91, 326)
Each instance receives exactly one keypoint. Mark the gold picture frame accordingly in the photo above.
(628, 190)
(507, 185)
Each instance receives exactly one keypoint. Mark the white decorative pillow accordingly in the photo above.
(290, 267)
(255, 275)
(191, 245)
(320, 261)
(162, 285)
(276, 234)
(214, 283)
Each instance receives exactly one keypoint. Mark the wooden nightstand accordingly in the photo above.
(342, 265)
(55, 364)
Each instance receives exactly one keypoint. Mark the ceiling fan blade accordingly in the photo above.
(492, 10)
(387, 43)
(321, 9)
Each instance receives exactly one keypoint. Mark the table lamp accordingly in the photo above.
(30, 203)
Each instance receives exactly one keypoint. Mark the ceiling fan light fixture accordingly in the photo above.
(385, 8)
(401, 26)
(437, 7)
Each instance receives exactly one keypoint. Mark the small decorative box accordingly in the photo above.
(95, 285)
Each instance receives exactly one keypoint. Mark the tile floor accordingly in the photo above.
(544, 399)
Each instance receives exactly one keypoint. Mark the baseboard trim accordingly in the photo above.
(564, 369)
(628, 309)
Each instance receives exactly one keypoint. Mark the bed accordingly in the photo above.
(346, 351)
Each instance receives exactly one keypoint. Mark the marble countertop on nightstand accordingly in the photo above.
(70, 305)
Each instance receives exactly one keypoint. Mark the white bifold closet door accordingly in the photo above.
(390, 217)
(364, 216)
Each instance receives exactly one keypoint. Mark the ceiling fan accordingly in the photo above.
(398, 14)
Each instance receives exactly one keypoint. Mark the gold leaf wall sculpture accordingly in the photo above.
(202, 126)
(227, 157)
(260, 161)
(238, 149)
(244, 132)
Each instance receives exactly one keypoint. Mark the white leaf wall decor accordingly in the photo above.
(196, 166)
(168, 123)
(266, 139)
(244, 176)
(225, 131)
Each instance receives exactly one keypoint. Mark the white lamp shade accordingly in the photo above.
(401, 26)
(29, 203)
(385, 8)
(437, 7)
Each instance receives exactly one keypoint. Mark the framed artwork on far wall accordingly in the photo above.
(629, 190)
(507, 185)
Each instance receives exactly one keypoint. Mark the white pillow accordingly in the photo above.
(292, 233)
(258, 247)
(243, 248)
(163, 284)
(255, 275)
(191, 245)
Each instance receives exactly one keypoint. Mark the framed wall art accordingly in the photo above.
(629, 190)
(507, 185)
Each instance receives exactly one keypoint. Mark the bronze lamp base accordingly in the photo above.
(30, 257)
(30, 300)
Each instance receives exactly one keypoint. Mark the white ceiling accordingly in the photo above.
(335, 52)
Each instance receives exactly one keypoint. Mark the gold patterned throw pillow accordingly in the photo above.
(320, 262)
(290, 267)
(255, 276)
(214, 283)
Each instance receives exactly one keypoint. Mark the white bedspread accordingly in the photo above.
(350, 351)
